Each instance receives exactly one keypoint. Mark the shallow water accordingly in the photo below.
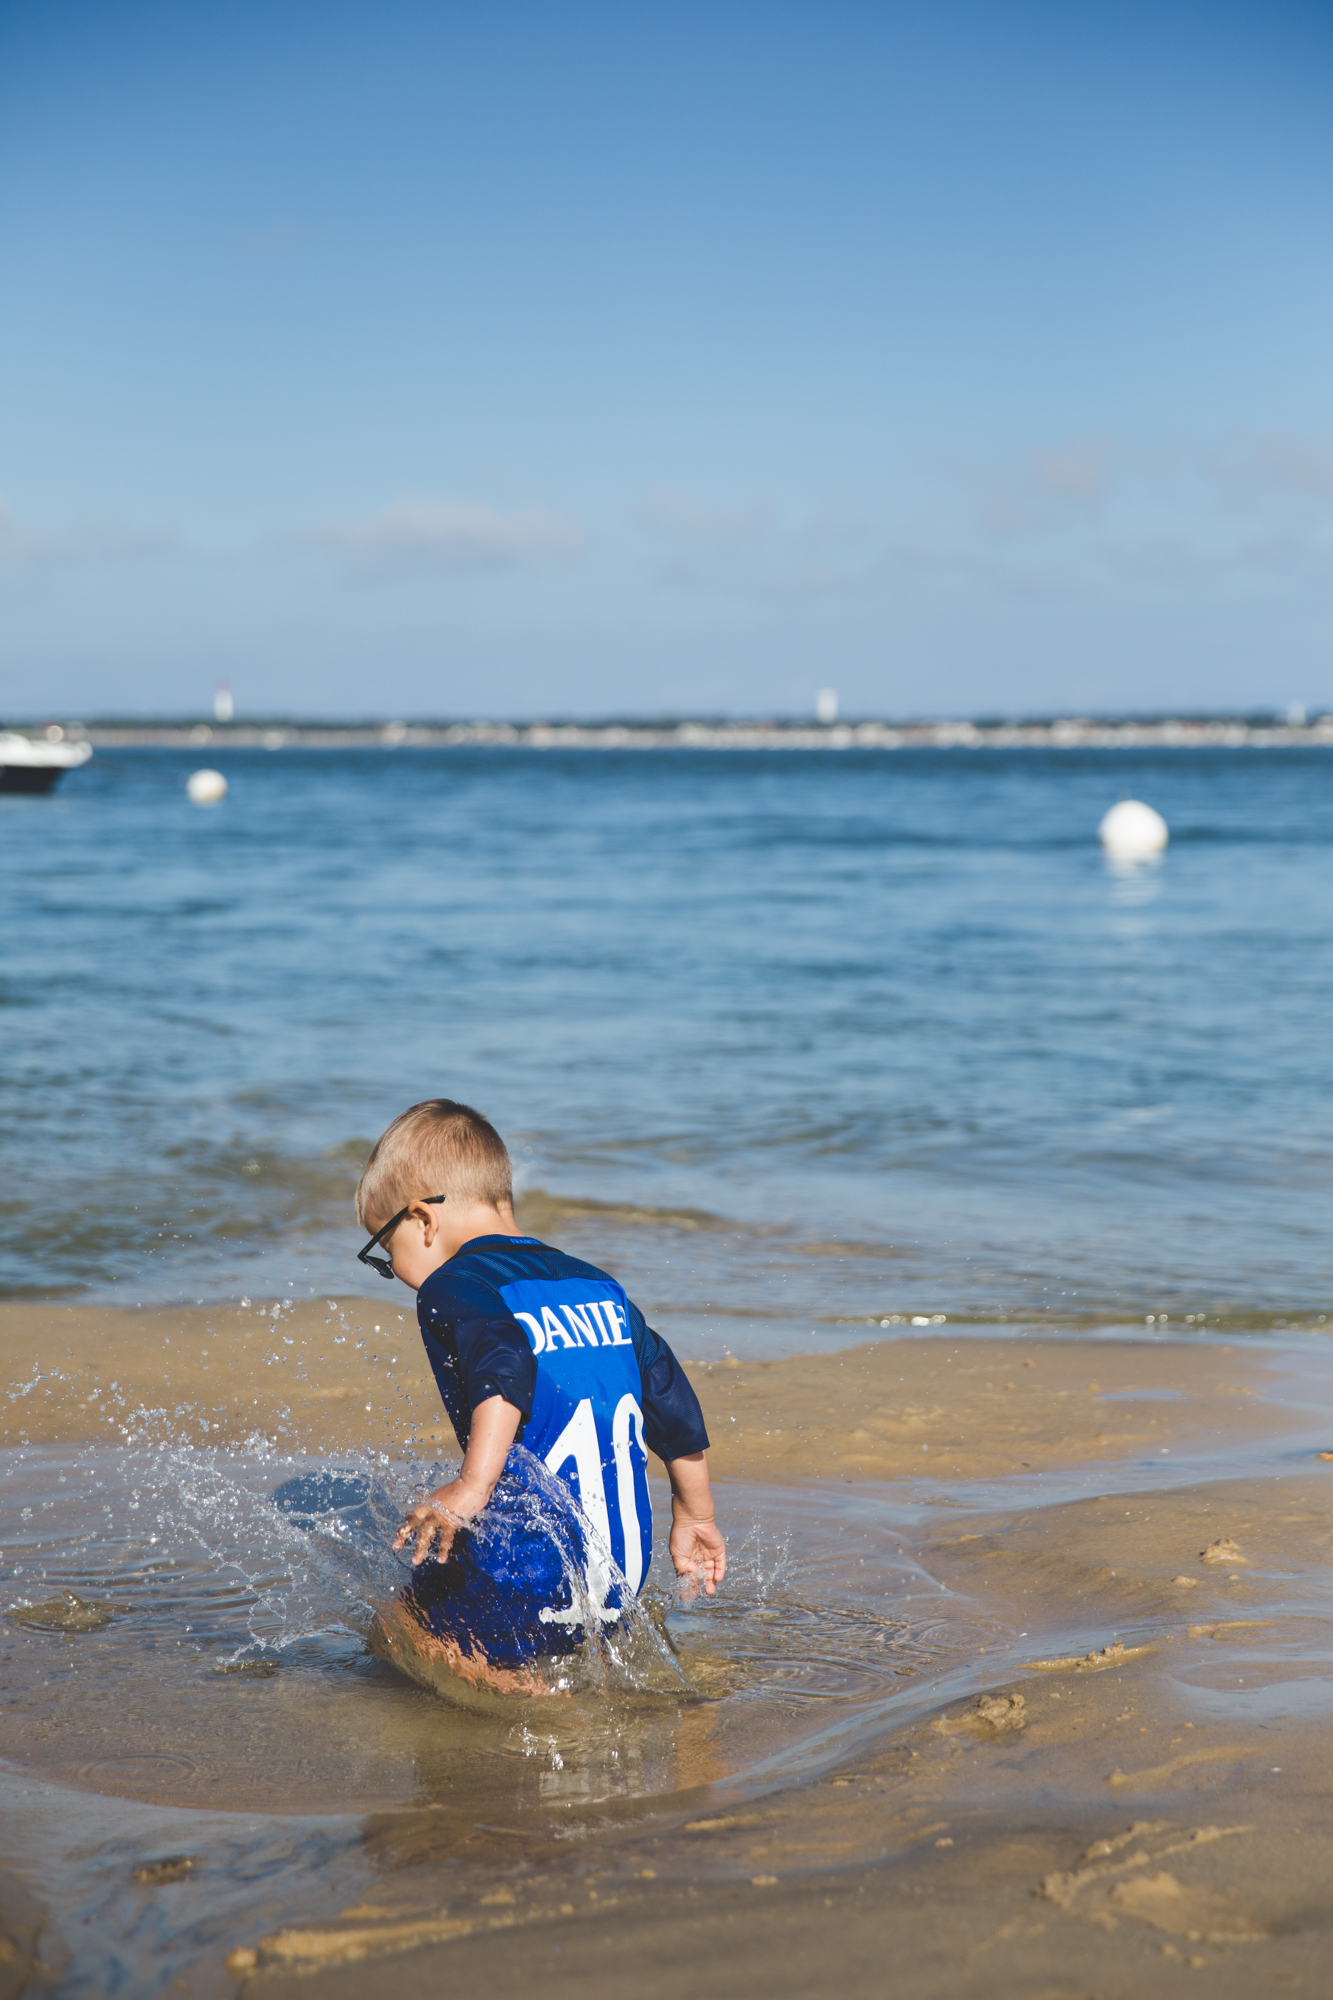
(171, 1635)
(839, 1038)
(187, 1680)
(197, 1746)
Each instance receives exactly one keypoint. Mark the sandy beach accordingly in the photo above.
(1113, 1779)
(332, 1373)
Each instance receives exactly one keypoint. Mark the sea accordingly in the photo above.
(802, 1043)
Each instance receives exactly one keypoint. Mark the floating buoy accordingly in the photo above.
(205, 788)
(1132, 831)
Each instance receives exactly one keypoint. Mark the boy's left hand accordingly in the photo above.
(698, 1552)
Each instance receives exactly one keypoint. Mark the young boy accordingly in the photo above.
(528, 1346)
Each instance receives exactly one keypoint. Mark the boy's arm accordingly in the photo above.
(697, 1547)
(487, 1356)
(673, 1427)
(471, 1335)
(494, 1425)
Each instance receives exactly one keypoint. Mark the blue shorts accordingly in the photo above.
(501, 1574)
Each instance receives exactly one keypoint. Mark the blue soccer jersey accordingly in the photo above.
(596, 1386)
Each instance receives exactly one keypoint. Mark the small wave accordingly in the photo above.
(540, 1212)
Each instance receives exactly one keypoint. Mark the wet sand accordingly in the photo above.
(325, 1374)
(1124, 1787)
(1110, 1823)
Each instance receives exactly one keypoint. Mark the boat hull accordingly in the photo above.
(29, 777)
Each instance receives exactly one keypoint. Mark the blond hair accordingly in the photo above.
(435, 1147)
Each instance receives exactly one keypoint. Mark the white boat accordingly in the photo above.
(34, 765)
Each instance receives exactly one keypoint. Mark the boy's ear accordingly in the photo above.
(429, 1219)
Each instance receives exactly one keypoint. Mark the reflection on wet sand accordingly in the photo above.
(1104, 1829)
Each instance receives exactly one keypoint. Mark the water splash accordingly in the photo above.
(284, 1551)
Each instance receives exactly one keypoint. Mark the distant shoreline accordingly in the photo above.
(1072, 733)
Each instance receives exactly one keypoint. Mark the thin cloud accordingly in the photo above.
(24, 546)
(448, 535)
(752, 550)
(684, 517)
(1060, 517)
(1076, 472)
(1055, 519)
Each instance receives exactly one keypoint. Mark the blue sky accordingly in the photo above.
(429, 360)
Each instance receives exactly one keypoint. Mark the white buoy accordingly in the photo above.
(1132, 831)
(205, 788)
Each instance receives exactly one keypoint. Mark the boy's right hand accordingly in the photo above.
(434, 1528)
(437, 1518)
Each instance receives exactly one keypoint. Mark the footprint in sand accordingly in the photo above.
(993, 1715)
(1113, 1655)
(1223, 1551)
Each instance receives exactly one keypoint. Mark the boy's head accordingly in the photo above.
(436, 1147)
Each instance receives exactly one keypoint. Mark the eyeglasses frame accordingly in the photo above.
(384, 1265)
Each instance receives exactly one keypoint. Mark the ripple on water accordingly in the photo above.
(134, 1772)
(959, 1635)
(179, 1631)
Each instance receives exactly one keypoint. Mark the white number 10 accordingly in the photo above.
(578, 1440)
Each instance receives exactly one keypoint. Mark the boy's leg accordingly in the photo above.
(399, 1636)
(484, 1613)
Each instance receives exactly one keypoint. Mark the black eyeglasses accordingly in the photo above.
(384, 1265)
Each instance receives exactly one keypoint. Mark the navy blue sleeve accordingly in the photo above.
(495, 1358)
(475, 1346)
(673, 1423)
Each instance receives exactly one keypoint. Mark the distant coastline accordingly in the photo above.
(1056, 733)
